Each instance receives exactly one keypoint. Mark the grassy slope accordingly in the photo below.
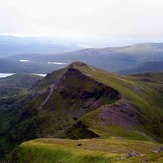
(50, 119)
(49, 79)
(91, 150)
(13, 85)
(115, 141)
(62, 107)
(12, 89)
(144, 68)
(146, 97)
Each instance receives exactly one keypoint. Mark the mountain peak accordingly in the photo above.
(77, 64)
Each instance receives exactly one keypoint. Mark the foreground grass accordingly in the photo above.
(48, 150)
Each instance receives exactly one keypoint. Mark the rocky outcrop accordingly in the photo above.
(118, 114)
(160, 149)
(78, 94)
(133, 154)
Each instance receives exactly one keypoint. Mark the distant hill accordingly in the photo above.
(110, 59)
(14, 87)
(23, 66)
(144, 68)
(11, 45)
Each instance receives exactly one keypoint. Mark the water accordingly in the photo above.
(57, 63)
(43, 75)
(3, 75)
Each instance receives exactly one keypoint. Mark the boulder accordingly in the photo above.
(134, 153)
(160, 149)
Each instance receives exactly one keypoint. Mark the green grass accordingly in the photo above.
(12, 89)
(146, 97)
(110, 131)
(92, 150)
(49, 79)
(18, 84)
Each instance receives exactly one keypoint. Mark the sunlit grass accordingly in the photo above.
(91, 150)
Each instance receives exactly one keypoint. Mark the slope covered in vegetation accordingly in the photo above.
(12, 89)
(146, 67)
(80, 102)
(85, 151)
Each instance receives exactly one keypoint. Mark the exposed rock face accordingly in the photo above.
(119, 114)
(160, 149)
(134, 153)
(73, 95)
(78, 94)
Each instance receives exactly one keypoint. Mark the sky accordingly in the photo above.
(119, 19)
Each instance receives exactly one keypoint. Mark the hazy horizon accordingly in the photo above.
(121, 21)
(86, 42)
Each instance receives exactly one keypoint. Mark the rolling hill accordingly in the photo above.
(12, 45)
(144, 68)
(110, 59)
(17, 83)
(119, 113)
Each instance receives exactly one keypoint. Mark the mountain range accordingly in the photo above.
(79, 102)
(12, 45)
(113, 59)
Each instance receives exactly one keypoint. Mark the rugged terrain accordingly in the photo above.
(119, 113)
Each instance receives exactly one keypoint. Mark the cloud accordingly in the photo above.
(101, 18)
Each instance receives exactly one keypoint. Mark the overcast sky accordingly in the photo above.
(135, 19)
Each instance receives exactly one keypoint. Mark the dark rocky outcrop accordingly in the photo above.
(78, 93)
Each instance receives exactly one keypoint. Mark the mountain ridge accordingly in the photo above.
(112, 59)
(12, 45)
(86, 102)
